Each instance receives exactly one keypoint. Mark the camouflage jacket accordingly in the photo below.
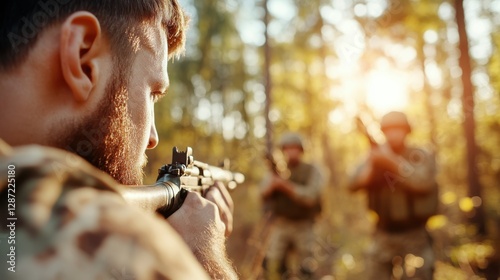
(62, 219)
(405, 200)
(308, 184)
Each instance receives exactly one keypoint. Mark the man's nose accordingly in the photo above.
(153, 137)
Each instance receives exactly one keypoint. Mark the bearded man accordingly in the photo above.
(79, 79)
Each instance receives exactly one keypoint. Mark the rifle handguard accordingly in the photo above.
(174, 182)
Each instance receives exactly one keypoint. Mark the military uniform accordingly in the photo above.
(70, 223)
(294, 222)
(402, 248)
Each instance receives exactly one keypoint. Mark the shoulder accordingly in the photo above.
(309, 167)
(73, 220)
(37, 165)
(313, 170)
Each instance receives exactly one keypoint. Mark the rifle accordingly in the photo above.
(273, 165)
(175, 180)
(277, 167)
(362, 128)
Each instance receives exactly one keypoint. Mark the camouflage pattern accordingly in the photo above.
(407, 199)
(308, 184)
(293, 223)
(401, 246)
(72, 224)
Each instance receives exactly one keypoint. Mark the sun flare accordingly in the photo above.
(386, 91)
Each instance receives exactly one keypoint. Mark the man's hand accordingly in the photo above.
(280, 184)
(198, 221)
(276, 183)
(219, 195)
(203, 223)
(380, 157)
(383, 157)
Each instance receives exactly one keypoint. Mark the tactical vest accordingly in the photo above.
(283, 206)
(399, 209)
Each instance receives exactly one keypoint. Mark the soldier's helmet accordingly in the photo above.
(291, 138)
(395, 120)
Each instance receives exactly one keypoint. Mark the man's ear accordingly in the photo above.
(81, 43)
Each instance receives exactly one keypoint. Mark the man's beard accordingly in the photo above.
(105, 138)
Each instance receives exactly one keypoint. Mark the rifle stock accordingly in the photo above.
(175, 180)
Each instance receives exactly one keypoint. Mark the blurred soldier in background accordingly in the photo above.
(294, 200)
(402, 190)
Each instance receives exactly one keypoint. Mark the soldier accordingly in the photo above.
(83, 76)
(401, 187)
(295, 203)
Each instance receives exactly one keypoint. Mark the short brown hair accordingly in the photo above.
(23, 20)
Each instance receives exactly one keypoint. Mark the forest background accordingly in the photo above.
(330, 61)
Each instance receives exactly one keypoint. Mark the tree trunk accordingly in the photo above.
(469, 125)
(267, 81)
(428, 91)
